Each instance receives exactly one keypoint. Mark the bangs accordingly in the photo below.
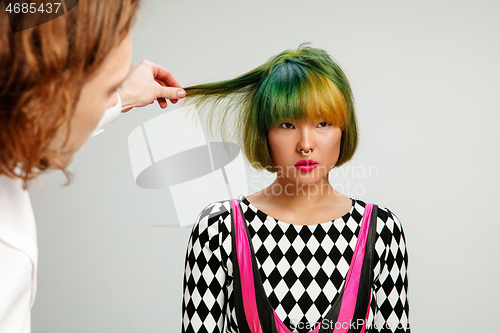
(295, 85)
(291, 91)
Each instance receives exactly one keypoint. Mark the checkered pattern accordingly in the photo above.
(302, 269)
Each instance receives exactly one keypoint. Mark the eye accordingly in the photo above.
(324, 124)
(287, 125)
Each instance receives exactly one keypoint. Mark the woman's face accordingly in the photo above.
(291, 139)
(98, 94)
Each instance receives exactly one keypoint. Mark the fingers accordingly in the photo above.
(165, 76)
(168, 92)
(173, 94)
(166, 87)
(162, 102)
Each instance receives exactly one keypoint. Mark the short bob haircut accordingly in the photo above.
(43, 70)
(296, 84)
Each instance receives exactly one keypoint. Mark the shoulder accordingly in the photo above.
(209, 221)
(214, 212)
(389, 226)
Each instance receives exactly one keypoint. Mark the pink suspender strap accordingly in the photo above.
(352, 279)
(246, 271)
(349, 299)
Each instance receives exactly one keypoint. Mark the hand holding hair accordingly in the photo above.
(148, 82)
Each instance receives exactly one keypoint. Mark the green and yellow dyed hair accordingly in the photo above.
(296, 84)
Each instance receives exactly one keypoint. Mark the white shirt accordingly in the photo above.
(18, 248)
(18, 257)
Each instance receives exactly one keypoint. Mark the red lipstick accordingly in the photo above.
(306, 165)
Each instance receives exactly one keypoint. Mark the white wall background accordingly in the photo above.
(426, 80)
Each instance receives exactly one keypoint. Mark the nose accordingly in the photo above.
(306, 141)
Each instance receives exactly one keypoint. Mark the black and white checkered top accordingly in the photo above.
(302, 267)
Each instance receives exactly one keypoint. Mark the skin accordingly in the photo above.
(138, 86)
(98, 93)
(299, 197)
(148, 82)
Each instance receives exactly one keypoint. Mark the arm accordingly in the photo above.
(15, 289)
(392, 310)
(204, 297)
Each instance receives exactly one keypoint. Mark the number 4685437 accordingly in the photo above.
(32, 8)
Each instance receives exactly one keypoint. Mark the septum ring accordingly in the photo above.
(303, 153)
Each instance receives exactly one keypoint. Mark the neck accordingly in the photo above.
(287, 193)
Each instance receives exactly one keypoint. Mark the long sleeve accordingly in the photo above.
(16, 292)
(18, 257)
(391, 289)
(109, 116)
(204, 297)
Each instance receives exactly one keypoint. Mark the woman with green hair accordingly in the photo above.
(297, 256)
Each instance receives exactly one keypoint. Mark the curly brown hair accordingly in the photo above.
(42, 71)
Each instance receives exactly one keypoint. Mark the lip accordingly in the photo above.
(306, 165)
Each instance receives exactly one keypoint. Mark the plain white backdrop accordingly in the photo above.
(426, 80)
